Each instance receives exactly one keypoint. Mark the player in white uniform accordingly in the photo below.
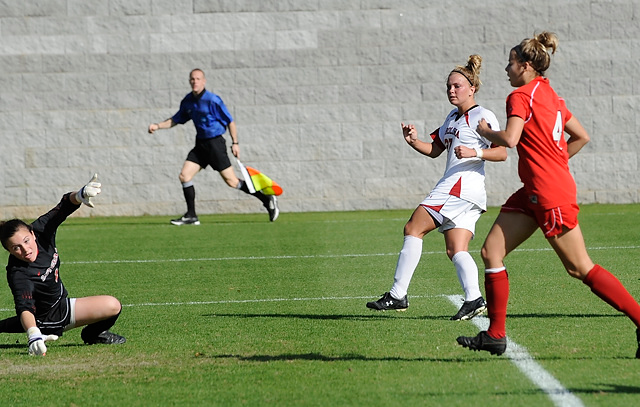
(459, 198)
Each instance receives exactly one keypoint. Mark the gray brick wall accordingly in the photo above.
(318, 89)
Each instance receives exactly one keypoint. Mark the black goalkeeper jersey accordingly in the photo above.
(37, 286)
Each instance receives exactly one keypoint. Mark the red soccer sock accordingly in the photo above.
(496, 286)
(606, 286)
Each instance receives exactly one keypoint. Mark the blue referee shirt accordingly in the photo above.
(208, 112)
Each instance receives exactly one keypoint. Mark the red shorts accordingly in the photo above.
(551, 221)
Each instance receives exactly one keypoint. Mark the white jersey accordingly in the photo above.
(463, 178)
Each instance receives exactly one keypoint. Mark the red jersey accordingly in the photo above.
(543, 163)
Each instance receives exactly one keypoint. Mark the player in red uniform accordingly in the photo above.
(42, 305)
(537, 119)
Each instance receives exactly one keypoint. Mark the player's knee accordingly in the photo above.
(411, 229)
(112, 305)
(576, 273)
(485, 253)
(453, 251)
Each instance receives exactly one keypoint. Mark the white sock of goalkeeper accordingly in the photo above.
(408, 260)
(467, 271)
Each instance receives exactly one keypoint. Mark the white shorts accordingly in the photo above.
(454, 213)
(72, 311)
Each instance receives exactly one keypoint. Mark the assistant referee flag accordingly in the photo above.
(257, 181)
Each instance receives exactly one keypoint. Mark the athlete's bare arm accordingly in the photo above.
(509, 137)
(411, 137)
(498, 153)
(28, 320)
(578, 136)
(167, 124)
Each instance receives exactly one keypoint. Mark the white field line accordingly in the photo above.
(520, 357)
(315, 256)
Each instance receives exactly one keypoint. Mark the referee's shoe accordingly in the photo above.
(272, 208)
(185, 220)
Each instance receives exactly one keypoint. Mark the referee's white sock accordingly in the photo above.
(407, 262)
(467, 271)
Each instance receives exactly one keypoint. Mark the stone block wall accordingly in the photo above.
(318, 89)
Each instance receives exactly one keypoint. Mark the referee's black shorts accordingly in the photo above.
(211, 152)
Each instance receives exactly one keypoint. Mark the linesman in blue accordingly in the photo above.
(211, 119)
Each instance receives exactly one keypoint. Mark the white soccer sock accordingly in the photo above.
(467, 271)
(407, 262)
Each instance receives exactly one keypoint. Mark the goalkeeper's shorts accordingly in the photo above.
(59, 319)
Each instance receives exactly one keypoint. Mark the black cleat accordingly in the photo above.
(185, 220)
(483, 341)
(105, 338)
(272, 208)
(638, 339)
(470, 309)
(387, 302)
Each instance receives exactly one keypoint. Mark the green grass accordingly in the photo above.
(240, 311)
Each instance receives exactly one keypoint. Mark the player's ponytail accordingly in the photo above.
(471, 71)
(535, 50)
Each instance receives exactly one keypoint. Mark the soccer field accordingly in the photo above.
(243, 312)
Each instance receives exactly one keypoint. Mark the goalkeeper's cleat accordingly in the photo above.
(272, 208)
(387, 302)
(470, 309)
(105, 338)
(185, 220)
(483, 341)
(638, 339)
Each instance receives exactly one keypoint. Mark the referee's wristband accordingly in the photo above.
(236, 143)
(478, 152)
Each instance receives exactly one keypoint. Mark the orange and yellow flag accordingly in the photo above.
(257, 181)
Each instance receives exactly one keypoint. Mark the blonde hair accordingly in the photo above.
(535, 50)
(471, 71)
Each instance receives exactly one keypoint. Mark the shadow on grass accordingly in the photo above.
(332, 317)
(313, 356)
(24, 345)
(556, 315)
(13, 345)
(401, 315)
(607, 388)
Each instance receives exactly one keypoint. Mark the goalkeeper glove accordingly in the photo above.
(37, 340)
(88, 191)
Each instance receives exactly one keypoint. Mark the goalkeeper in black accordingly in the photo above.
(44, 310)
